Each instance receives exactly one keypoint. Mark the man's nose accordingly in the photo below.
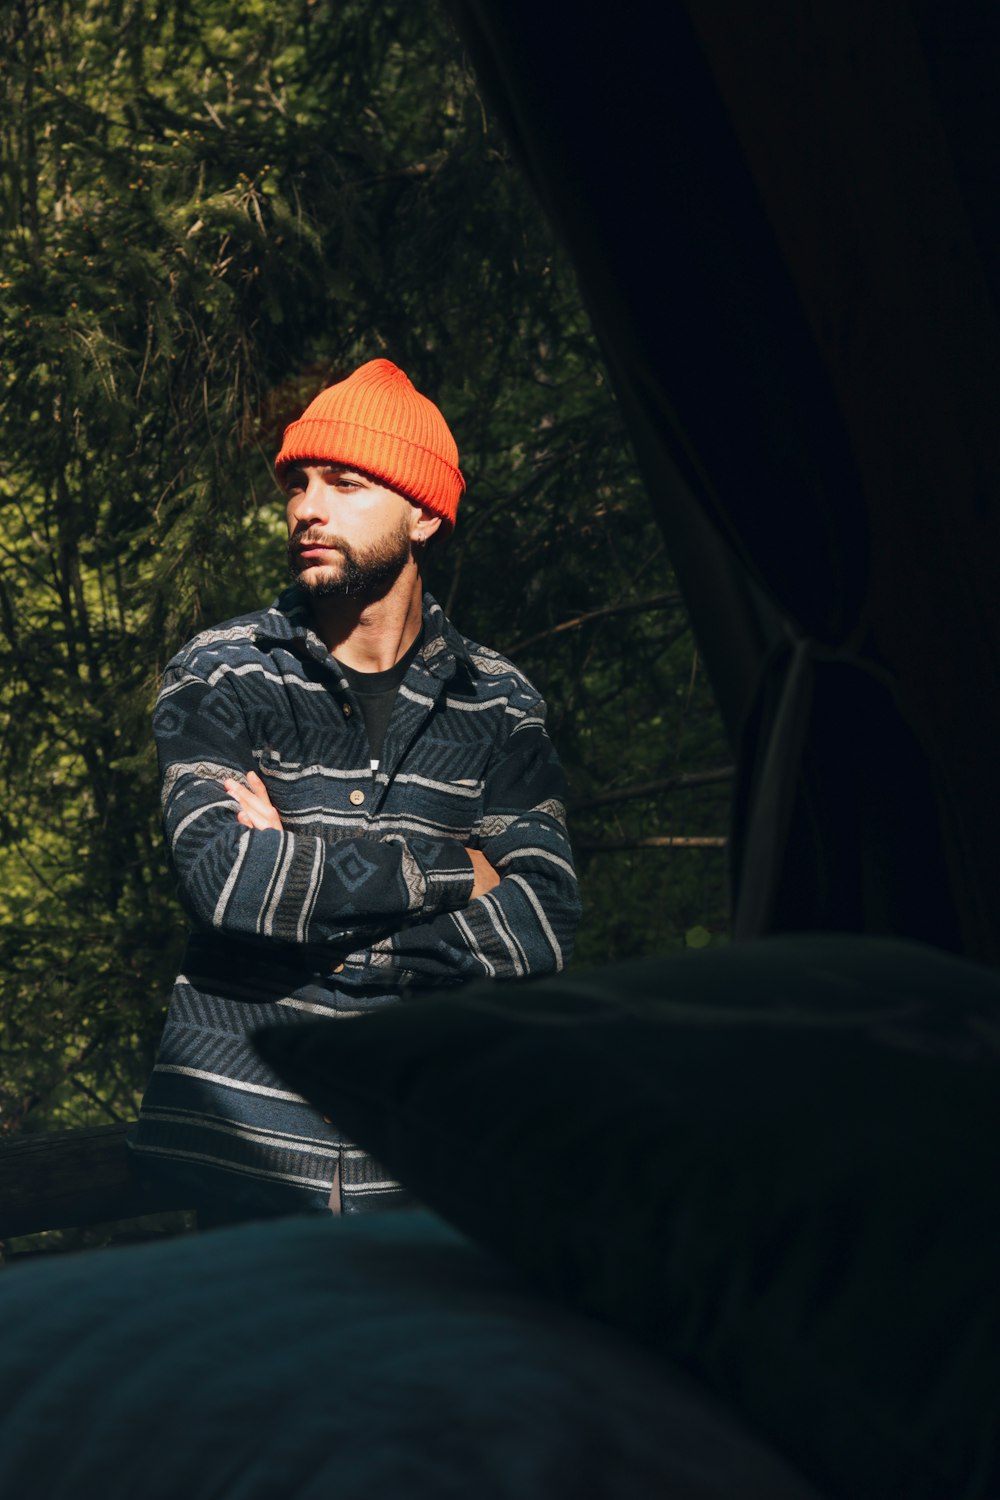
(310, 505)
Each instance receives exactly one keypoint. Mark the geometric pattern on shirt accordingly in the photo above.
(365, 891)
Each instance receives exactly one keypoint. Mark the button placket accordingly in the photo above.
(356, 797)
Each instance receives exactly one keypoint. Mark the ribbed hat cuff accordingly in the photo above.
(418, 473)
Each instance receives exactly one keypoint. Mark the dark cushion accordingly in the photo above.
(380, 1358)
(778, 1163)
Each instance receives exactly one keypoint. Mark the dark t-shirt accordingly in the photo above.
(376, 693)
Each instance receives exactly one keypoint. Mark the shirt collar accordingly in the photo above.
(443, 651)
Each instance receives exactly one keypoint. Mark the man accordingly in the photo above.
(358, 801)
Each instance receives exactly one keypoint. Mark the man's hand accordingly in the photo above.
(484, 877)
(256, 808)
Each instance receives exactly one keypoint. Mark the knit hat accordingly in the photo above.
(376, 421)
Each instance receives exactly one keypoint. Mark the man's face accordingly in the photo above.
(347, 534)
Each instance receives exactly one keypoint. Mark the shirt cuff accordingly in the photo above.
(450, 878)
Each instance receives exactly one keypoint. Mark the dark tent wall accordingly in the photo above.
(785, 228)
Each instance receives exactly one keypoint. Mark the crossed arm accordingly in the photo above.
(396, 908)
(510, 927)
(256, 810)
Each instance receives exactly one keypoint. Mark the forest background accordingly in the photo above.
(210, 210)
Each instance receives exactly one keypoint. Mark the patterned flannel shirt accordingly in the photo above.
(365, 891)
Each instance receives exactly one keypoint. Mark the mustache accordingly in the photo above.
(313, 539)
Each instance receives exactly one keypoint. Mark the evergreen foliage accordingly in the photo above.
(211, 209)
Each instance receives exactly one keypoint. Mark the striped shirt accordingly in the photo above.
(361, 896)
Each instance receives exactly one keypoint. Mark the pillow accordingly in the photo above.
(376, 1358)
(778, 1163)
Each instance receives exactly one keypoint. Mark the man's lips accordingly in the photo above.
(314, 549)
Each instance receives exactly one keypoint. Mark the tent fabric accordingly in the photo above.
(788, 251)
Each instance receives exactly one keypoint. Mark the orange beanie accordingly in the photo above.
(376, 421)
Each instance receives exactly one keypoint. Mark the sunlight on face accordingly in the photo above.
(348, 535)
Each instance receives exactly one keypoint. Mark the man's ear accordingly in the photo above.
(425, 524)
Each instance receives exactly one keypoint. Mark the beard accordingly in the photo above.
(361, 573)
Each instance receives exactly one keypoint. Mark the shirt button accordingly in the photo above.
(347, 710)
(357, 797)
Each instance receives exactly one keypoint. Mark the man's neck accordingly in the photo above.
(370, 635)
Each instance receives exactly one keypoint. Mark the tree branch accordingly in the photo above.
(94, 1098)
(637, 606)
(665, 841)
(651, 788)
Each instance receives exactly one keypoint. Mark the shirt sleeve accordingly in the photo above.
(272, 884)
(526, 924)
